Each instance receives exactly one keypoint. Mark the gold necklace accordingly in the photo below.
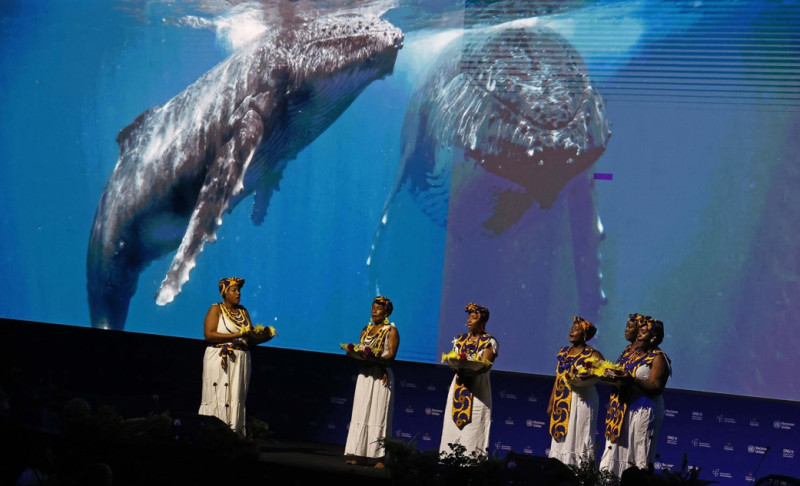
(235, 315)
(373, 329)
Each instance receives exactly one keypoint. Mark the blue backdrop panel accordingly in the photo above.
(732, 439)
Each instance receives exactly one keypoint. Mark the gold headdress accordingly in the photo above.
(226, 283)
(483, 311)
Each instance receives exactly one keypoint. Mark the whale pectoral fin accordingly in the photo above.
(263, 193)
(223, 181)
(260, 204)
(510, 206)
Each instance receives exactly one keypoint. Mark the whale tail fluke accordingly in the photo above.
(111, 277)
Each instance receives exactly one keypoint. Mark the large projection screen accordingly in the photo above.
(544, 159)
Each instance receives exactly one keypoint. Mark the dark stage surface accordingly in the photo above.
(315, 460)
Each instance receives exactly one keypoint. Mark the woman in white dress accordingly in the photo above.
(226, 362)
(468, 410)
(373, 400)
(573, 404)
(636, 410)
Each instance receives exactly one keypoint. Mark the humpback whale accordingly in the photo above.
(496, 140)
(518, 102)
(228, 135)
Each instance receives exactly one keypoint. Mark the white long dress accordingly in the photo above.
(225, 391)
(475, 435)
(641, 427)
(578, 445)
(373, 406)
(575, 407)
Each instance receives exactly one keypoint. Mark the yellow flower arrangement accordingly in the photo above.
(265, 330)
(466, 363)
(590, 371)
(359, 352)
(597, 367)
(261, 333)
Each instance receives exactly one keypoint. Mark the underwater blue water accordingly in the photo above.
(698, 221)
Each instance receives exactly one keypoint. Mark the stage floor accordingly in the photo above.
(305, 460)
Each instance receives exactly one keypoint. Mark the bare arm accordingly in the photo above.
(659, 374)
(392, 344)
(210, 328)
(390, 351)
(552, 398)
